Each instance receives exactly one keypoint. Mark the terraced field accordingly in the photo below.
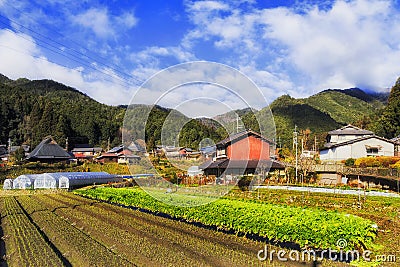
(67, 230)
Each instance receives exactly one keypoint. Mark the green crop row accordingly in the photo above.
(24, 243)
(79, 248)
(137, 235)
(308, 227)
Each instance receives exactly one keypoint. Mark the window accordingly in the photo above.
(372, 150)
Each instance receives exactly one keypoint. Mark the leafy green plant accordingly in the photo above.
(305, 226)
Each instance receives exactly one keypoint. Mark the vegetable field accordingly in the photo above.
(307, 227)
(64, 229)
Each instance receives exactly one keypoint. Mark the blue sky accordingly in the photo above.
(107, 49)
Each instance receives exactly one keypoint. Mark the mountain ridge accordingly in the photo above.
(47, 104)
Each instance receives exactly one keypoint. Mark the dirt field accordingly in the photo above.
(74, 231)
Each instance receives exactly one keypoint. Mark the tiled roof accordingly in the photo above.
(48, 149)
(249, 164)
(328, 146)
(350, 130)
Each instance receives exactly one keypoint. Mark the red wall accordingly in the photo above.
(248, 148)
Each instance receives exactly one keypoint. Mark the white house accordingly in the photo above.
(346, 133)
(353, 142)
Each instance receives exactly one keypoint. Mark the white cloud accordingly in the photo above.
(347, 45)
(97, 20)
(208, 6)
(127, 19)
(103, 24)
(153, 56)
(305, 48)
(22, 58)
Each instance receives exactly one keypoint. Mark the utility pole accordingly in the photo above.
(239, 127)
(315, 144)
(295, 134)
(9, 145)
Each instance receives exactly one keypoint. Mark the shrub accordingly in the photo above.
(383, 161)
(387, 161)
(349, 162)
(367, 162)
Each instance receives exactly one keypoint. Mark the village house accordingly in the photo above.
(3, 153)
(353, 142)
(241, 153)
(122, 154)
(396, 140)
(85, 151)
(49, 151)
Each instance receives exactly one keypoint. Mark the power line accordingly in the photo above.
(49, 61)
(71, 56)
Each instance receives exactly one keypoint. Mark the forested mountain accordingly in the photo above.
(31, 110)
(165, 126)
(318, 114)
(325, 111)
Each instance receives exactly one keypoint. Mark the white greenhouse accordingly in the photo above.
(8, 184)
(65, 180)
(44, 180)
(61, 179)
(77, 179)
(24, 181)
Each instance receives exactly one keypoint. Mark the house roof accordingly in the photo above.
(86, 149)
(24, 147)
(48, 149)
(116, 149)
(234, 164)
(135, 147)
(108, 155)
(357, 140)
(3, 150)
(396, 139)
(241, 135)
(350, 130)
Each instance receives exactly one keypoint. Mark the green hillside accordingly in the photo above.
(342, 107)
(31, 110)
(320, 113)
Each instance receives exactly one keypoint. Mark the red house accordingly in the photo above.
(246, 145)
(241, 153)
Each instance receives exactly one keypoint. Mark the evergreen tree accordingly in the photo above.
(389, 124)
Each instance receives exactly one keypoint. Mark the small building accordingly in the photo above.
(171, 151)
(49, 151)
(86, 152)
(241, 153)
(353, 142)
(24, 147)
(346, 133)
(194, 171)
(128, 159)
(208, 151)
(107, 157)
(396, 140)
(137, 147)
(120, 154)
(245, 145)
(4, 153)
